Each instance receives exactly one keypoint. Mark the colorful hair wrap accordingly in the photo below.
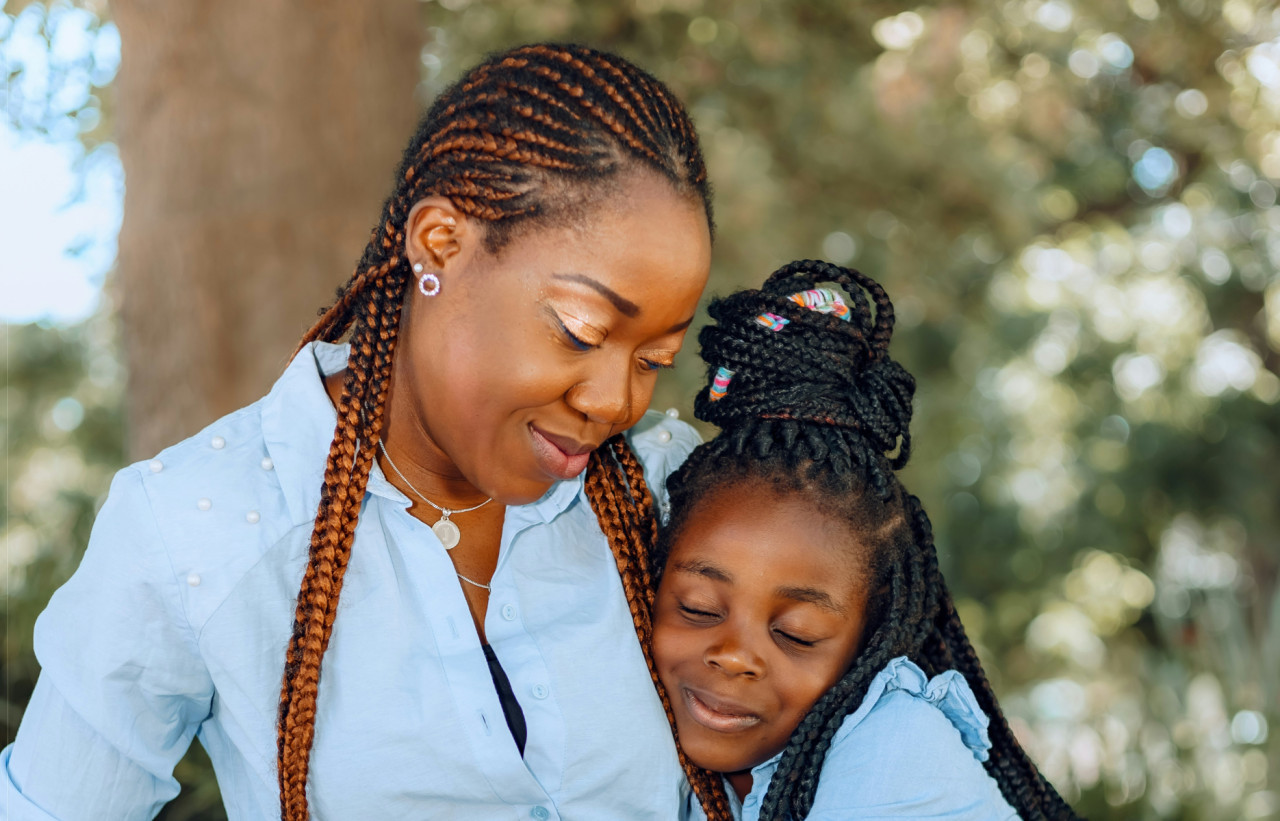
(720, 385)
(772, 321)
(822, 300)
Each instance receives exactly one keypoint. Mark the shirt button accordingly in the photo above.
(664, 436)
(673, 413)
(193, 579)
(508, 611)
(204, 504)
(218, 443)
(540, 691)
(540, 813)
(156, 465)
(266, 463)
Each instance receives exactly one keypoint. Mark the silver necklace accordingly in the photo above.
(446, 531)
(471, 581)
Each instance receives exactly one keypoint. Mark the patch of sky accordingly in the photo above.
(60, 204)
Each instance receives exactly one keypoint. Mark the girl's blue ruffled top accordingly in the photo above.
(913, 749)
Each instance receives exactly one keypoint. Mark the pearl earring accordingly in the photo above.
(428, 283)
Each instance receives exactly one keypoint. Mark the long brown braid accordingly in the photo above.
(621, 500)
(526, 137)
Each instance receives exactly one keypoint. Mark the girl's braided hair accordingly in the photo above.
(529, 136)
(817, 407)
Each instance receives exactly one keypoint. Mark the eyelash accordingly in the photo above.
(574, 340)
(703, 615)
(700, 614)
(793, 640)
(582, 345)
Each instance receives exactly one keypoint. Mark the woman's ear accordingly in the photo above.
(436, 232)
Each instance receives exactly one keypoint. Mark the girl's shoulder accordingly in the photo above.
(913, 749)
(904, 697)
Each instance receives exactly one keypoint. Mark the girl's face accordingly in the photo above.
(759, 613)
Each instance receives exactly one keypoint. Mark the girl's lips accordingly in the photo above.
(723, 717)
(553, 459)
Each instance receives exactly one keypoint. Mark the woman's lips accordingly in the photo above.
(559, 457)
(723, 717)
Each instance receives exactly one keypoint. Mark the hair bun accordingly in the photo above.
(781, 353)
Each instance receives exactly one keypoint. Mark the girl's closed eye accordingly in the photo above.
(698, 613)
(792, 638)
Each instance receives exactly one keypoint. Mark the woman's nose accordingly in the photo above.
(606, 395)
(735, 657)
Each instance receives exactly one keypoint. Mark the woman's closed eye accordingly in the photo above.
(574, 339)
(655, 365)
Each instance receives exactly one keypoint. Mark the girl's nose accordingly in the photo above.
(734, 657)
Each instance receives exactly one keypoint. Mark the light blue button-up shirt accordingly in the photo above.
(175, 625)
(913, 749)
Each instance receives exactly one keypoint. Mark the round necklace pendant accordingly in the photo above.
(447, 532)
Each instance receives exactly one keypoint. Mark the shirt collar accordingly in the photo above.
(298, 423)
(559, 498)
(761, 775)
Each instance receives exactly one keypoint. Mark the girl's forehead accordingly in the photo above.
(752, 530)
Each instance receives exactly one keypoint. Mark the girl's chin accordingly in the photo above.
(717, 758)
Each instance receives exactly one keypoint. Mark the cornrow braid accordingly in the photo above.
(816, 407)
(527, 137)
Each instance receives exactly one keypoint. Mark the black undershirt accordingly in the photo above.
(510, 707)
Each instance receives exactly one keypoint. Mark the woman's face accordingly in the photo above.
(529, 358)
(760, 611)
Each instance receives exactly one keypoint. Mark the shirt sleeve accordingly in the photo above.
(122, 688)
(913, 753)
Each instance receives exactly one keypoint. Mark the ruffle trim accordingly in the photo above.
(949, 692)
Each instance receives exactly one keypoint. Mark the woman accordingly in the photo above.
(470, 597)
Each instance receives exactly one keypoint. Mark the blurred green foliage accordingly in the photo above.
(1074, 207)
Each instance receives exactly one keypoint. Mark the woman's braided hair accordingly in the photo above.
(529, 136)
(817, 407)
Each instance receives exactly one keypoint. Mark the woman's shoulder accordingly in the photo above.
(662, 442)
(222, 476)
(207, 509)
(248, 477)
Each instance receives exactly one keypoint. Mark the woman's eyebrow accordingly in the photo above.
(701, 568)
(625, 306)
(811, 595)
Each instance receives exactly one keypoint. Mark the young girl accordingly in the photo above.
(805, 639)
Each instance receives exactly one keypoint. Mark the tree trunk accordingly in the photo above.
(258, 141)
